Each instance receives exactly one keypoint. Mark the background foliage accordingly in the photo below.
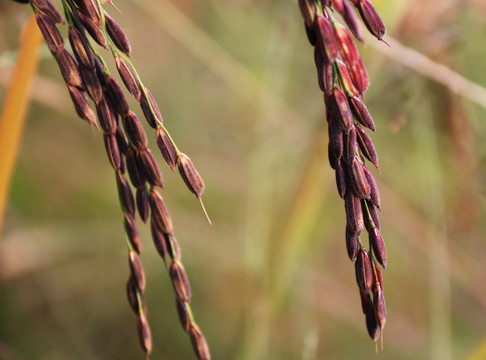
(238, 91)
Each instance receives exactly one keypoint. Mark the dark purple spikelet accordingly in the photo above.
(352, 243)
(354, 214)
(199, 343)
(117, 35)
(150, 110)
(371, 19)
(341, 181)
(142, 203)
(81, 49)
(115, 93)
(128, 77)
(52, 36)
(180, 281)
(112, 150)
(378, 246)
(325, 37)
(340, 108)
(132, 233)
(364, 271)
(160, 215)
(93, 29)
(166, 148)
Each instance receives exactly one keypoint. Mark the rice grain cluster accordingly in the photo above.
(99, 99)
(343, 79)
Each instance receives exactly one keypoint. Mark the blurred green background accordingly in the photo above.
(237, 87)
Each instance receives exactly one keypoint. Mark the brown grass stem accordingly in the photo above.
(433, 70)
(15, 107)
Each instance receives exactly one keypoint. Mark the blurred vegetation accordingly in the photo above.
(237, 88)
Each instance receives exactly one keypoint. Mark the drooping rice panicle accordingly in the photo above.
(86, 75)
(343, 79)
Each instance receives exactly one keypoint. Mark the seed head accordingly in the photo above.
(366, 146)
(106, 116)
(144, 334)
(199, 343)
(133, 299)
(354, 215)
(308, 10)
(117, 35)
(359, 183)
(324, 71)
(345, 79)
(136, 269)
(331, 157)
(158, 239)
(352, 243)
(132, 233)
(134, 130)
(128, 77)
(136, 176)
(350, 146)
(90, 9)
(91, 83)
(81, 49)
(190, 175)
(371, 19)
(153, 118)
(48, 8)
(81, 105)
(364, 270)
(49, 31)
(69, 68)
(148, 166)
(379, 307)
(365, 300)
(183, 314)
(361, 113)
(352, 21)
(340, 108)
(167, 148)
(341, 181)
(371, 324)
(125, 194)
(112, 150)
(372, 220)
(374, 193)
(325, 37)
(180, 281)
(347, 48)
(142, 203)
(160, 215)
(93, 29)
(336, 142)
(359, 76)
(122, 140)
(115, 93)
(378, 245)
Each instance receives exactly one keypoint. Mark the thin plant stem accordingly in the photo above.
(15, 107)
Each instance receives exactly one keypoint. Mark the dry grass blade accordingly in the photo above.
(15, 106)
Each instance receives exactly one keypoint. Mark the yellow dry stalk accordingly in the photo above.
(15, 107)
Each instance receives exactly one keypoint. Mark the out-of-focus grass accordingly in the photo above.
(271, 277)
